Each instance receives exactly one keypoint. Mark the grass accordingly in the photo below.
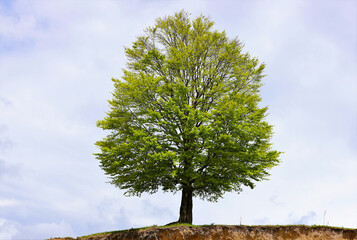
(142, 228)
(195, 226)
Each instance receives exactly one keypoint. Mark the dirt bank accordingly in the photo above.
(299, 232)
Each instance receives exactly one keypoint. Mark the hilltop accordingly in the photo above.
(227, 232)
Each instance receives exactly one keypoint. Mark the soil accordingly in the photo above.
(224, 232)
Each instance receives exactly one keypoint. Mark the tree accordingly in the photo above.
(185, 116)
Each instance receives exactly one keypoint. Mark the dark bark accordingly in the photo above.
(186, 206)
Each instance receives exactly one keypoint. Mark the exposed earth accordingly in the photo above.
(226, 232)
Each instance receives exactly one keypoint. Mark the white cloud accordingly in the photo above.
(44, 230)
(7, 202)
(56, 63)
(308, 219)
(7, 230)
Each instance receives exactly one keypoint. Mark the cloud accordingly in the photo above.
(57, 59)
(7, 203)
(43, 230)
(7, 230)
(274, 200)
(262, 221)
(8, 171)
(5, 144)
(309, 218)
(5, 102)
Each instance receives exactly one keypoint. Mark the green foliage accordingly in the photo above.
(186, 113)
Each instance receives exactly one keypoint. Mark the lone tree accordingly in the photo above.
(185, 116)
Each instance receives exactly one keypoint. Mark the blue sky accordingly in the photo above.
(56, 62)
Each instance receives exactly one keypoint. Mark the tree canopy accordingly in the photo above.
(185, 115)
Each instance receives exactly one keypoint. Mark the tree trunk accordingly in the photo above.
(186, 206)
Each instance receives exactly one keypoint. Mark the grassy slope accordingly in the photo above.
(190, 225)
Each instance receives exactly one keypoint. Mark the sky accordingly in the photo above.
(57, 59)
